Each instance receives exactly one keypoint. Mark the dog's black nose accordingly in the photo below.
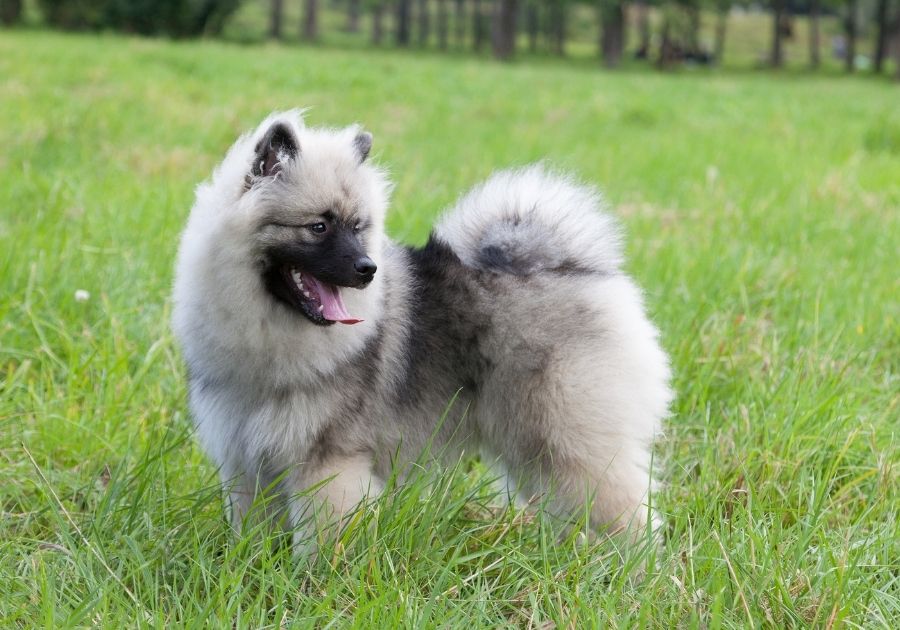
(365, 266)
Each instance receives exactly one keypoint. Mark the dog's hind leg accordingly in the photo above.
(323, 494)
(606, 474)
(580, 433)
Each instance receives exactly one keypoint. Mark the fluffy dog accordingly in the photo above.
(323, 356)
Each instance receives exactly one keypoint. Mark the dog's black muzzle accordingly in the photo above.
(339, 259)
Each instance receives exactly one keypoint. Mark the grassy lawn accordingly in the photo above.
(763, 219)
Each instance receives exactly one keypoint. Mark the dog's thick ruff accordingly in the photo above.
(517, 306)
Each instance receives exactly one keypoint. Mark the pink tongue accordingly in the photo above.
(330, 297)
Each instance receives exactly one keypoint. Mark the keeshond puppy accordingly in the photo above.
(322, 357)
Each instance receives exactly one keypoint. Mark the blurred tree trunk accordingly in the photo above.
(378, 23)
(424, 23)
(881, 39)
(895, 30)
(442, 24)
(460, 23)
(777, 56)
(643, 20)
(612, 32)
(211, 19)
(532, 24)
(557, 26)
(850, 31)
(503, 29)
(665, 59)
(721, 29)
(477, 26)
(402, 32)
(694, 23)
(815, 58)
(353, 11)
(276, 16)
(897, 47)
(310, 27)
(10, 11)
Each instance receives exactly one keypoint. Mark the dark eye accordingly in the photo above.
(318, 228)
(357, 227)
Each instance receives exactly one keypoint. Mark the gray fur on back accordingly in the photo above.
(517, 307)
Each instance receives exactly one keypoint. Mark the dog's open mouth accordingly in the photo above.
(319, 301)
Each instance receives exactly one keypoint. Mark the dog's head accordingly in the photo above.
(315, 217)
(307, 210)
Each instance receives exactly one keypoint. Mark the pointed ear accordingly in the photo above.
(277, 146)
(363, 144)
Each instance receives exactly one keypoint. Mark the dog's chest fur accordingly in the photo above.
(277, 426)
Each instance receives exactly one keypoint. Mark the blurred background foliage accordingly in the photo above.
(851, 35)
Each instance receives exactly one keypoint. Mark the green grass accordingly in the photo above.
(763, 216)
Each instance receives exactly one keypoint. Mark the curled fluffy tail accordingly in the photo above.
(531, 220)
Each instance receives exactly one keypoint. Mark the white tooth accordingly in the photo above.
(306, 294)
(321, 307)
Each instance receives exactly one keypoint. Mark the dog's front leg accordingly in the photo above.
(323, 495)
